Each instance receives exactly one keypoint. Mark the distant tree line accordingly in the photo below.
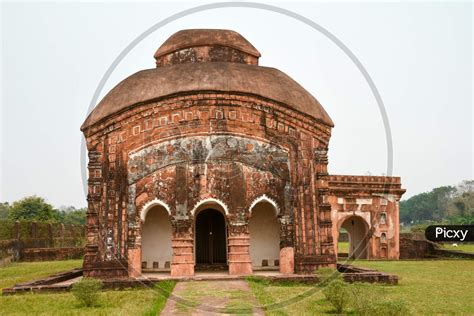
(35, 208)
(447, 204)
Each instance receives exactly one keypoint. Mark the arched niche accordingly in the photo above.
(156, 235)
(264, 229)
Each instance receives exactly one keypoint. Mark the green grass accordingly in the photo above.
(269, 294)
(165, 288)
(231, 300)
(20, 272)
(343, 246)
(143, 301)
(431, 287)
(460, 247)
(427, 287)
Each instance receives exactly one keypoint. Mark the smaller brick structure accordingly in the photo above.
(368, 208)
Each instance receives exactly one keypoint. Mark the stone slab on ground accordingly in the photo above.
(212, 298)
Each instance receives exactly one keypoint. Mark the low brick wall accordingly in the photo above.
(50, 254)
(453, 254)
(353, 274)
(40, 241)
(416, 248)
(343, 237)
(9, 251)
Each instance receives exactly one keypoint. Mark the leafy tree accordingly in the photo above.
(445, 204)
(32, 208)
(75, 217)
(4, 209)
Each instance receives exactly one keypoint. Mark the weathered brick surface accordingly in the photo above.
(231, 148)
(368, 198)
(50, 254)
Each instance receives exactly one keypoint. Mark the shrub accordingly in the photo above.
(370, 299)
(336, 293)
(87, 290)
(325, 275)
(392, 308)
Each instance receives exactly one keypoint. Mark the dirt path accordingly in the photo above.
(212, 298)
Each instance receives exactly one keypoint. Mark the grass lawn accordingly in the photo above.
(20, 272)
(343, 246)
(230, 296)
(145, 301)
(460, 247)
(427, 287)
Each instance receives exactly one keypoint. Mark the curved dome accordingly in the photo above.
(202, 37)
(155, 83)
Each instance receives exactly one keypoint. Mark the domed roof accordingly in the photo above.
(206, 37)
(216, 76)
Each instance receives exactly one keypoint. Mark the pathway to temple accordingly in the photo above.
(212, 298)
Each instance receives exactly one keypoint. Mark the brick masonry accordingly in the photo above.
(229, 148)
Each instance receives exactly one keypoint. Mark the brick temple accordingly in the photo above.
(212, 161)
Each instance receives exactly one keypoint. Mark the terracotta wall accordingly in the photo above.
(374, 202)
(229, 148)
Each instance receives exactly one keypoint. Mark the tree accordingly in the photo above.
(75, 217)
(446, 204)
(4, 209)
(32, 208)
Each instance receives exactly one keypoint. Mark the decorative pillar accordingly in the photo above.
(239, 249)
(396, 253)
(287, 251)
(182, 263)
(327, 253)
(134, 260)
(92, 256)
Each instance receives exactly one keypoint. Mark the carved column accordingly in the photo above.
(134, 251)
(182, 263)
(327, 254)
(93, 204)
(287, 252)
(239, 249)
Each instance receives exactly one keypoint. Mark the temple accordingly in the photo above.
(209, 161)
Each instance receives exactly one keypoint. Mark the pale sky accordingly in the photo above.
(418, 54)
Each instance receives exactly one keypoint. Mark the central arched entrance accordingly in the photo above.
(211, 238)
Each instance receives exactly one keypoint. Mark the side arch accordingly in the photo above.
(265, 198)
(264, 230)
(150, 204)
(156, 237)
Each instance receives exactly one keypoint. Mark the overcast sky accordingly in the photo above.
(418, 54)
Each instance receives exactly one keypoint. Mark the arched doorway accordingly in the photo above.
(211, 236)
(264, 232)
(356, 229)
(156, 239)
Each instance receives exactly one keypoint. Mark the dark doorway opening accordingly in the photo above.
(211, 239)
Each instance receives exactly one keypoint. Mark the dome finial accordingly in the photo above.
(206, 45)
